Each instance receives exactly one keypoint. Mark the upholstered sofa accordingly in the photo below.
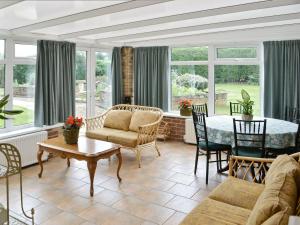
(269, 200)
(134, 127)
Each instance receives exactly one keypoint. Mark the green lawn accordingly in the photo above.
(233, 91)
(24, 118)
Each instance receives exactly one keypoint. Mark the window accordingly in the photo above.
(81, 85)
(236, 53)
(189, 75)
(2, 87)
(2, 49)
(25, 51)
(103, 92)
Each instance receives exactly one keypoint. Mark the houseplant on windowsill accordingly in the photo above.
(247, 105)
(3, 112)
(185, 106)
(71, 129)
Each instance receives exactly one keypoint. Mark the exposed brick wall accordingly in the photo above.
(127, 70)
(177, 127)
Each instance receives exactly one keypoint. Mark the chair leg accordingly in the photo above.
(207, 166)
(138, 156)
(156, 147)
(218, 160)
(196, 161)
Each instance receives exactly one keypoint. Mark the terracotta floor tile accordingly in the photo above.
(182, 178)
(183, 190)
(175, 219)
(45, 212)
(182, 204)
(76, 204)
(64, 218)
(108, 197)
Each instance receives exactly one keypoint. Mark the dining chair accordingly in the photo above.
(235, 108)
(202, 108)
(208, 148)
(249, 138)
(292, 114)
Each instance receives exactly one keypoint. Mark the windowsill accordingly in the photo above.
(29, 130)
(176, 115)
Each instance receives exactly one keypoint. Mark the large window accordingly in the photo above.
(189, 75)
(231, 68)
(81, 83)
(103, 92)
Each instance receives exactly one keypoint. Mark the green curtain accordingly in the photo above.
(151, 66)
(117, 79)
(55, 82)
(281, 77)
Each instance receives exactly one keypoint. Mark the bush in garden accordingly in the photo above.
(190, 80)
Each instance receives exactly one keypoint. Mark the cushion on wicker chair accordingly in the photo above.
(118, 119)
(140, 118)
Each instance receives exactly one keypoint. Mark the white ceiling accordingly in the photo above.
(117, 22)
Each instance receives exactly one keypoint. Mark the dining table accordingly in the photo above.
(279, 133)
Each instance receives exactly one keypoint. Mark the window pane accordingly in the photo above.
(25, 51)
(81, 88)
(190, 54)
(103, 95)
(189, 82)
(23, 93)
(2, 49)
(236, 53)
(2, 85)
(230, 80)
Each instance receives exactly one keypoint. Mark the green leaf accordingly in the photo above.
(245, 95)
(3, 117)
(12, 112)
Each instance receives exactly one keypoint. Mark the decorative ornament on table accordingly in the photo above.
(71, 129)
(247, 106)
(185, 106)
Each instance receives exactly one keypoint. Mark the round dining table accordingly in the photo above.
(279, 133)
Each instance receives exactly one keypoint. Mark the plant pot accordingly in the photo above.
(71, 136)
(247, 117)
(185, 111)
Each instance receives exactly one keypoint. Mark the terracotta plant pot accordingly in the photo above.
(185, 111)
(247, 117)
(71, 136)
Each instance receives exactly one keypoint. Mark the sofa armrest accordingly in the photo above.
(95, 122)
(147, 133)
(248, 168)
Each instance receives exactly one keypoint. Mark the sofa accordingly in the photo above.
(133, 127)
(257, 192)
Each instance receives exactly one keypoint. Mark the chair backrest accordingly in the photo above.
(250, 134)
(200, 126)
(13, 158)
(235, 108)
(200, 108)
(292, 114)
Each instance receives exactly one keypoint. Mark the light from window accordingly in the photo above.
(23, 93)
(103, 92)
(2, 88)
(236, 53)
(230, 80)
(2, 49)
(190, 54)
(81, 86)
(25, 51)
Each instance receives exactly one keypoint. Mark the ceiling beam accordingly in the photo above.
(4, 4)
(88, 14)
(234, 23)
(184, 16)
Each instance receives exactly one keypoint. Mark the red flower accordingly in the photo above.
(70, 120)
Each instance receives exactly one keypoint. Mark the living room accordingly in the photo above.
(146, 112)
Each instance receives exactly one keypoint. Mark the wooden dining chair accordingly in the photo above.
(208, 148)
(202, 108)
(249, 138)
(292, 114)
(235, 108)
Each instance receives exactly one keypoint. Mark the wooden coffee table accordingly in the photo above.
(90, 150)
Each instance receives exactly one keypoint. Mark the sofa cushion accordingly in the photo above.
(212, 212)
(140, 118)
(237, 192)
(125, 138)
(101, 133)
(280, 218)
(118, 119)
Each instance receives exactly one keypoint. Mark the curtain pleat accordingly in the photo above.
(55, 82)
(117, 79)
(151, 66)
(282, 77)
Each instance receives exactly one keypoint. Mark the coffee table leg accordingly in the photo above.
(92, 169)
(68, 162)
(119, 166)
(39, 157)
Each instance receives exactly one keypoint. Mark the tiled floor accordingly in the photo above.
(163, 191)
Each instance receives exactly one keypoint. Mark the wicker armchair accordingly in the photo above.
(146, 134)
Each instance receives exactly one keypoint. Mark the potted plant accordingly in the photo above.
(71, 129)
(247, 105)
(4, 112)
(185, 106)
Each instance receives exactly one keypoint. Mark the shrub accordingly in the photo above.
(190, 80)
